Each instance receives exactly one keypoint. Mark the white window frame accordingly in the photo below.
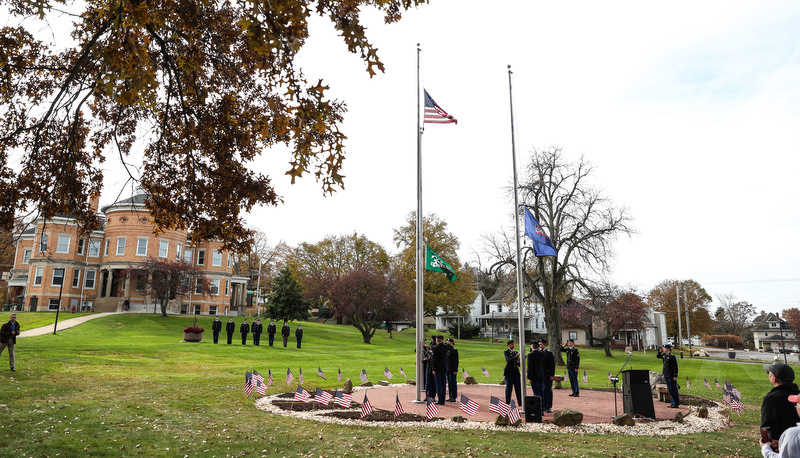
(163, 248)
(121, 241)
(178, 248)
(229, 260)
(139, 246)
(214, 286)
(216, 258)
(51, 302)
(62, 247)
(198, 287)
(81, 245)
(188, 253)
(90, 275)
(94, 248)
(105, 251)
(43, 243)
(38, 275)
(63, 274)
(212, 309)
(201, 256)
(227, 287)
(26, 255)
(76, 278)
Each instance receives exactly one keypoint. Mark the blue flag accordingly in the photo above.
(542, 245)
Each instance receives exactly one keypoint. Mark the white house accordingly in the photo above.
(443, 320)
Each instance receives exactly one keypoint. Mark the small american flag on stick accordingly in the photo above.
(708, 385)
(300, 379)
(585, 377)
(497, 406)
(513, 412)
(322, 397)
(468, 406)
(366, 407)
(398, 408)
(248, 383)
(431, 409)
(484, 372)
(321, 374)
(364, 376)
(339, 377)
(269, 377)
(464, 373)
(342, 399)
(289, 376)
(403, 372)
(301, 394)
(387, 373)
(688, 383)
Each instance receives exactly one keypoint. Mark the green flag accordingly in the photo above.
(435, 263)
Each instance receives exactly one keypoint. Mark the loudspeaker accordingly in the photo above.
(637, 399)
(533, 409)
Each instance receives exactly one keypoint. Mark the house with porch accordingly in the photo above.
(771, 333)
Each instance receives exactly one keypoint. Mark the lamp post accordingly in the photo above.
(63, 274)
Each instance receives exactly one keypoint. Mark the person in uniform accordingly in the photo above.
(549, 365)
(244, 329)
(8, 339)
(535, 375)
(298, 335)
(670, 371)
(271, 331)
(285, 333)
(216, 327)
(573, 363)
(256, 329)
(511, 372)
(230, 328)
(430, 384)
(440, 369)
(452, 370)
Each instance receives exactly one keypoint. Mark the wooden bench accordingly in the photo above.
(663, 393)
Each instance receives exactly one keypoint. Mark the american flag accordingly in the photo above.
(585, 377)
(403, 372)
(261, 388)
(342, 399)
(716, 383)
(387, 373)
(434, 113)
(366, 407)
(726, 396)
(320, 374)
(513, 412)
(339, 377)
(484, 372)
(431, 409)
(398, 408)
(708, 385)
(289, 376)
(464, 373)
(323, 397)
(300, 379)
(497, 406)
(468, 406)
(364, 375)
(736, 404)
(688, 383)
(257, 376)
(269, 377)
(248, 383)
(301, 394)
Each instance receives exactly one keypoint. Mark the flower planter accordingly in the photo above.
(192, 336)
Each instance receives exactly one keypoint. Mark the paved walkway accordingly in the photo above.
(62, 324)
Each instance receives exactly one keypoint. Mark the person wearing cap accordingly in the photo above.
(535, 375)
(670, 371)
(271, 329)
(216, 327)
(430, 384)
(573, 363)
(789, 442)
(452, 370)
(440, 369)
(777, 412)
(244, 329)
(230, 327)
(549, 365)
(511, 372)
(256, 329)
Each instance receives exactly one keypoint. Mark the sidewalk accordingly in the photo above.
(65, 324)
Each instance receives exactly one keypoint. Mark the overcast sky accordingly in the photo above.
(689, 111)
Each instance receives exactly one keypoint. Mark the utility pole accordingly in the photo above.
(680, 331)
(688, 329)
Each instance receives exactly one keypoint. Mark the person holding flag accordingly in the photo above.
(511, 372)
(670, 371)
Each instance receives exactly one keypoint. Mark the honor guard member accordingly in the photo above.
(573, 363)
(8, 339)
(440, 369)
(271, 331)
(230, 328)
(216, 327)
(452, 370)
(285, 333)
(244, 329)
(535, 375)
(511, 372)
(256, 329)
(549, 365)
(298, 335)
(430, 384)
(670, 371)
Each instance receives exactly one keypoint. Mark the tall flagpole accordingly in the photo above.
(420, 336)
(520, 311)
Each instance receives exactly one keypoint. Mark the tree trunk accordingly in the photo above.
(164, 303)
(607, 347)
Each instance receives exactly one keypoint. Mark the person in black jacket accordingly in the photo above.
(298, 335)
(777, 412)
(535, 375)
(271, 331)
(549, 366)
(440, 368)
(216, 327)
(573, 363)
(511, 372)
(230, 328)
(427, 361)
(256, 329)
(8, 338)
(452, 370)
(244, 329)
(285, 333)
(670, 371)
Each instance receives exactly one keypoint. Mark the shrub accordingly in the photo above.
(726, 341)
(468, 330)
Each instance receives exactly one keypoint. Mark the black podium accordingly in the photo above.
(637, 398)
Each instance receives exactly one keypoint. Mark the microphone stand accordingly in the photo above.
(615, 379)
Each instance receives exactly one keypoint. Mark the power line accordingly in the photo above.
(738, 282)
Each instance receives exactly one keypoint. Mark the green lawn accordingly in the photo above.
(30, 320)
(126, 385)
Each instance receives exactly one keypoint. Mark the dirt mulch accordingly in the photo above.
(378, 415)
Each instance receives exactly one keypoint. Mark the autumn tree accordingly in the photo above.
(286, 301)
(792, 317)
(198, 89)
(696, 299)
(167, 280)
(734, 316)
(582, 225)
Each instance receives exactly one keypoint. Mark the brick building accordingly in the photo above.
(53, 258)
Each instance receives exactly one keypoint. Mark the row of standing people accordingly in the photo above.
(440, 361)
(256, 329)
(541, 371)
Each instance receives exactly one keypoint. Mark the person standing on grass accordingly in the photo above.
(511, 372)
(244, 329)
(298, 335)
(8, 338)
(549, 365)
(452, 370)
(573, 363)
(230, 328)
(256, 330)
(777, 413)
(670, 371)
(271, 331)
(216, 327)
(285, 333)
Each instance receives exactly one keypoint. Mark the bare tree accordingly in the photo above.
(734, 317)
(581, 222)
